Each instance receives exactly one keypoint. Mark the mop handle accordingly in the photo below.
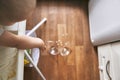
(37, 69)
(36, 27)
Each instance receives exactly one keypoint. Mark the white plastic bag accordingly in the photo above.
(35, 52)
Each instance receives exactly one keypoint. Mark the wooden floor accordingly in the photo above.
(69, 17)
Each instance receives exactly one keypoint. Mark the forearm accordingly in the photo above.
(8, 39)
(20, 42)
(29, 42)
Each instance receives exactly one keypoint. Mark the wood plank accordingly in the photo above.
(49, 64)
(42, 12)
(71, 33)
(78, 27)
(80, 66)
(62, 32)
(61, 24)
(71, 72)
(52, 21)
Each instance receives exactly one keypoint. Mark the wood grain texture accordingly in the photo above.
(71, 17)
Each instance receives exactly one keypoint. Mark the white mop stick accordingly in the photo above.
(28, 56)
(35, 66)
(36, 27)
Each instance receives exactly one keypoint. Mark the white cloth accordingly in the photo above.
(1, 30)
(8, 63)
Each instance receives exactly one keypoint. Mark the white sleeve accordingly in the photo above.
(1, 30)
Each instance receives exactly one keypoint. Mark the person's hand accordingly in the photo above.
(42, 44)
